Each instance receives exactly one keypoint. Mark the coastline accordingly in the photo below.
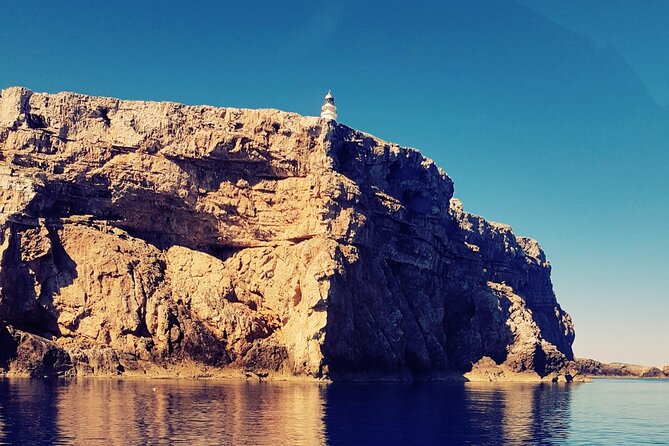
(188, 373)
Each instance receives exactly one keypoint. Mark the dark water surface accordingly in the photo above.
(121, 412)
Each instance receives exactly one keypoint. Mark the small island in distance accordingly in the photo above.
(162, 240)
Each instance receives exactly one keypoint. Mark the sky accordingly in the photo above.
(550, 116)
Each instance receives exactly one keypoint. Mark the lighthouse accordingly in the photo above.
(329, 110)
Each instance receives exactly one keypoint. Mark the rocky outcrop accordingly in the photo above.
(590, 367)
(141, 235)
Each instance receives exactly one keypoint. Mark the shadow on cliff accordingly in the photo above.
(31, 275)
(7, 347)
(412, 305)
(160, 219)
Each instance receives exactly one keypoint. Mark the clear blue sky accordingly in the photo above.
(550, 116)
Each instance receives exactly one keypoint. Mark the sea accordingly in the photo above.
(96, 411)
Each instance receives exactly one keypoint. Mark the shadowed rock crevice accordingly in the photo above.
(35, 268)
(7, 347)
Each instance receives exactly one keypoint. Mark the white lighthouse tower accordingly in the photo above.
(329, 110)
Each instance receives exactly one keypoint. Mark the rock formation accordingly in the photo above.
(141, 236)
(590, 367)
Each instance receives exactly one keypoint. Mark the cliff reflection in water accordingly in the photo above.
(527, 413)
(448, 413)
(120, 412)
(123, 412)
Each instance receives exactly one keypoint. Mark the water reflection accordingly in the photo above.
(121, 412)
(447, 413)
(28, 412)
(100, 411)
(521, 413)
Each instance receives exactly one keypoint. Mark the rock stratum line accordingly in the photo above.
(153, 237)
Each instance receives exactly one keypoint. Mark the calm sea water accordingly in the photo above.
(127, 412)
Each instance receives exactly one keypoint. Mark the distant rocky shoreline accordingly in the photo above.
(593, 368)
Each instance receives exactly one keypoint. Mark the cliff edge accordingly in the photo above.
(142, 236)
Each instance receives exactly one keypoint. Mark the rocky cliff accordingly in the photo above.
(142, 236)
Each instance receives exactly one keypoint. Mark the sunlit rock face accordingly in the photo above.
(143, 236)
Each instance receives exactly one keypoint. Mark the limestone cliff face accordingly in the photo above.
(136, 235)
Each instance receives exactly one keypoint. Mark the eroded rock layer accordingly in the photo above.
(143, 235)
